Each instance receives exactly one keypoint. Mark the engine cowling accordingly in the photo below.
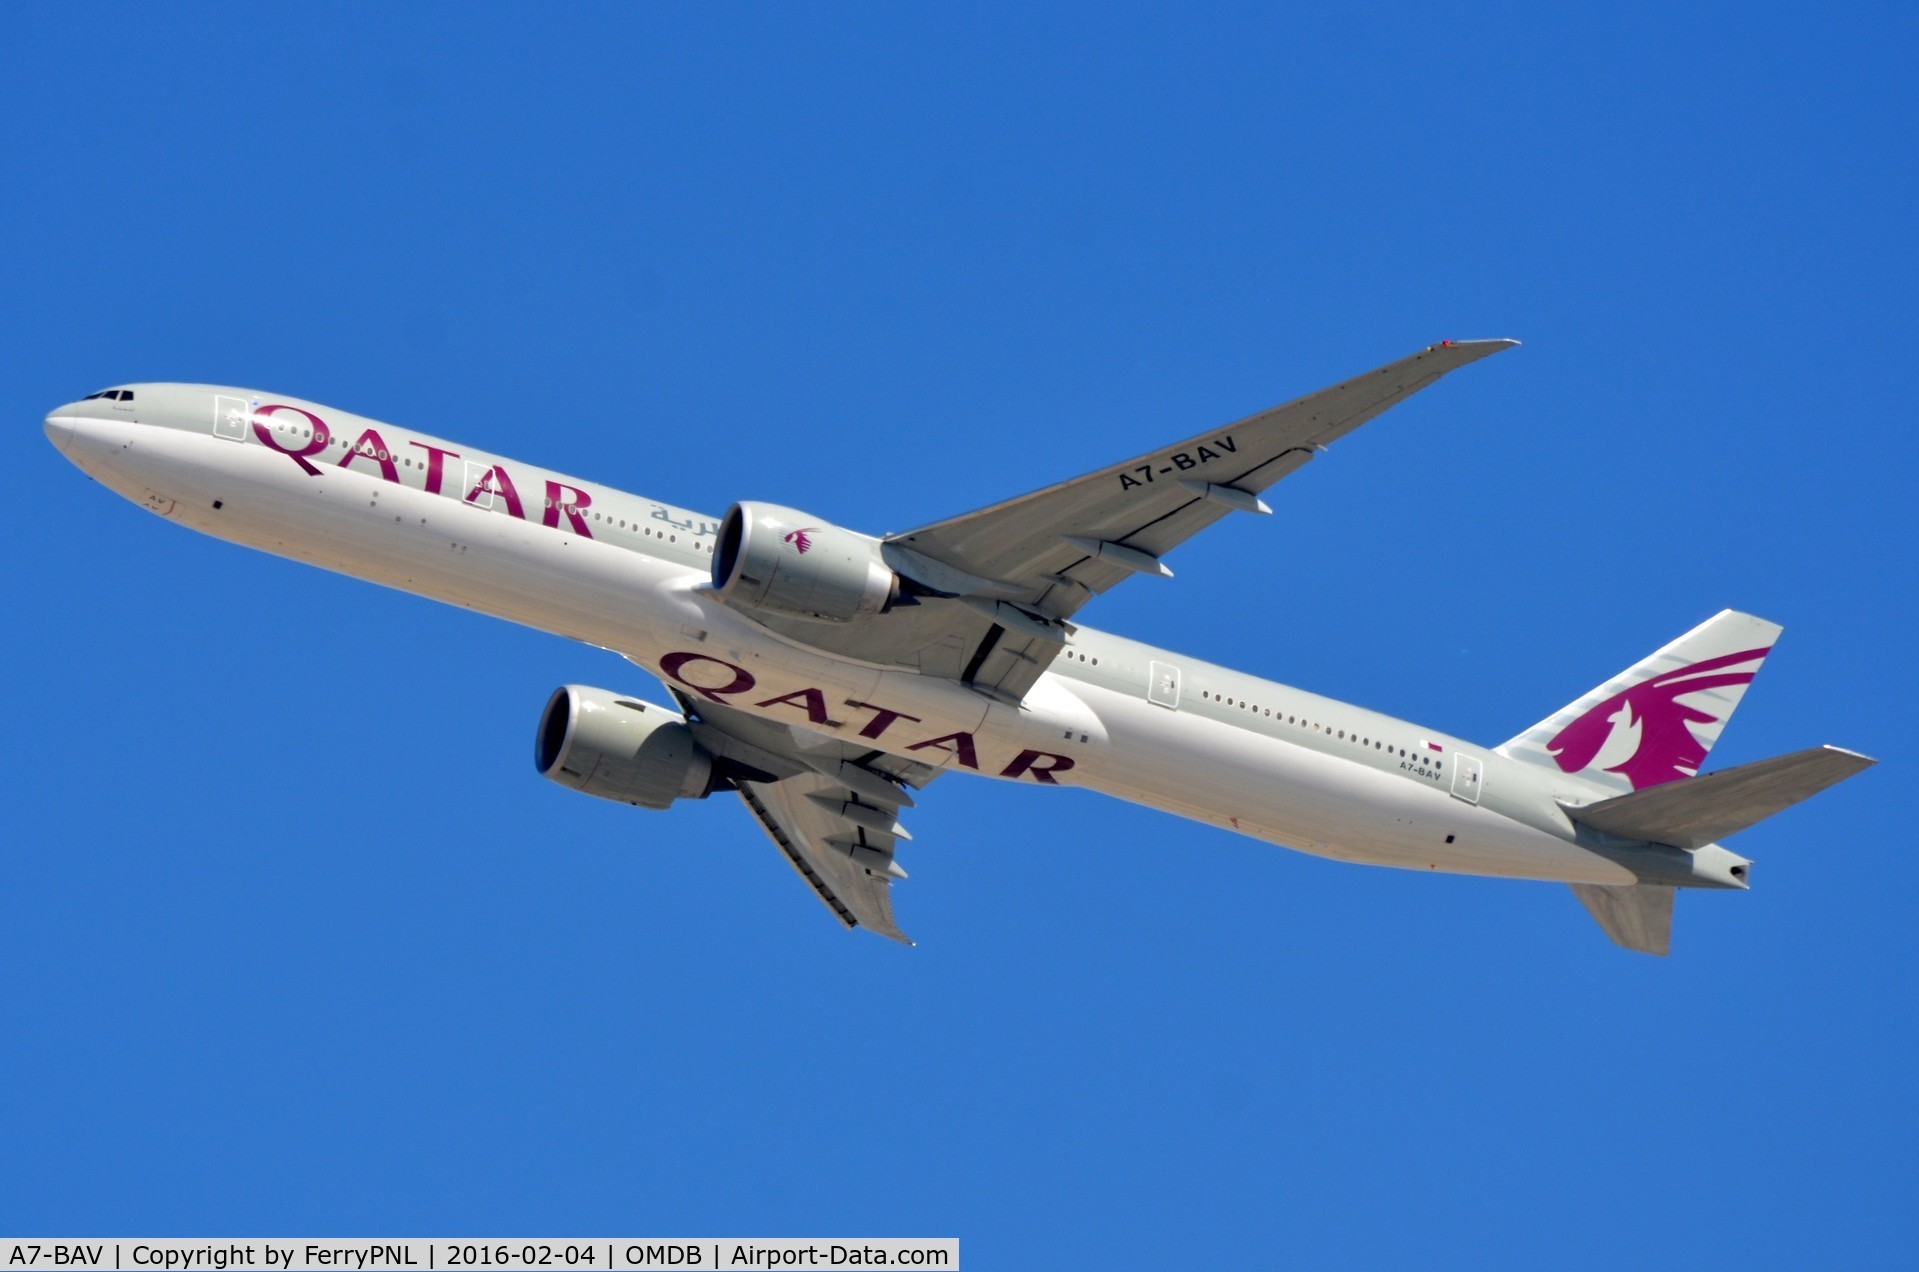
(617, 748)
(779, 560)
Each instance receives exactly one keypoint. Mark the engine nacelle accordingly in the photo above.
(775, 559)
(620, 749)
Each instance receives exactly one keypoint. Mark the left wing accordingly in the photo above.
(1054, 549)
(1004, 580)
(831, 808)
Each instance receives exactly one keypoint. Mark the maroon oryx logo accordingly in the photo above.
(1666, 748)
(800, 539)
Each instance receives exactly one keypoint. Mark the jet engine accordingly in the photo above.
(777, 559)
(616, 748)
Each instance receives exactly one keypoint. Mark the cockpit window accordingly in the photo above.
(111, 395)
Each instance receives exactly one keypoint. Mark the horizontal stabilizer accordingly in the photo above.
(1638, 917)
(1697, 811)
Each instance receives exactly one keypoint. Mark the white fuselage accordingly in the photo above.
(632, 575)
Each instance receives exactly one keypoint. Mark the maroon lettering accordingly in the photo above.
(555, 501)
(435, 465)
(675, 665)
(961, 747)
(503, 487)
(810, 700)
(882, 720)
(372, 446)
(1029, 762)
(264, 431)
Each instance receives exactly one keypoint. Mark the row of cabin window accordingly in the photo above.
(407, 460)
(1074, 653)
(1377, 745)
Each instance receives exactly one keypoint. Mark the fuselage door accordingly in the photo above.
(478, 491)
(1468, 774)
(230, 417)
(1162, 684)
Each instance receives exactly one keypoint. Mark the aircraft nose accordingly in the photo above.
(59, 428)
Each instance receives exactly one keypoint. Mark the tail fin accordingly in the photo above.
(1656, 721)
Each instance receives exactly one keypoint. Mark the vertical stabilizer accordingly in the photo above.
(1656, 721)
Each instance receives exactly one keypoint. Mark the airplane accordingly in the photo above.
(826, 675)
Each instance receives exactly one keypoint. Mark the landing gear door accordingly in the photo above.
(1467, 775)
(230, 418)
(1162, 684)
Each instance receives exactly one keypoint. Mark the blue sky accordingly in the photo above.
(294, 941)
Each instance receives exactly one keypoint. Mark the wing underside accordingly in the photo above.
(831, 808)
(849, 866)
